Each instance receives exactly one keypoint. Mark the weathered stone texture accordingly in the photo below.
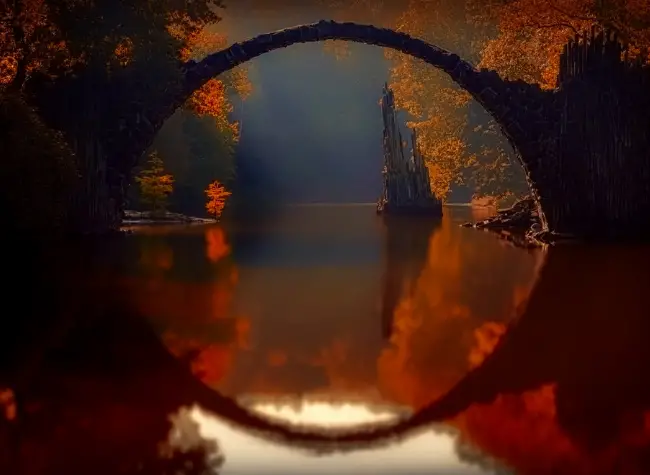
(596, 181)
(406, 187)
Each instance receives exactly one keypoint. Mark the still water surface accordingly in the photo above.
(329, 340)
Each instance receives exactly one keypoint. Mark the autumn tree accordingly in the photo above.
(212, 100)
(520, 39)
(217, 196)
(531, 33)
(51, 36)
(83, 62)
(29, 41)
(460, 142)
(198, 143)
(155, 184)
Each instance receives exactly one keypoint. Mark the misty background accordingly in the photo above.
(311, 131)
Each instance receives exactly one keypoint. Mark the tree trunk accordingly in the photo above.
(82, 108)
(97, 206)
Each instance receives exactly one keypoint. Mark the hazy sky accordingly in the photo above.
(312, 127)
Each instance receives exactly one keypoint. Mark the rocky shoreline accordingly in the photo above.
(520, 224)
(133, 218)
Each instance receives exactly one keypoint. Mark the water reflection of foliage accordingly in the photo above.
(156, 257)
(451, 319)
(441, 320)
(572, 368)
(101, 405)
(200, 458)
(569, 379)
(186, 287)
(216, 244)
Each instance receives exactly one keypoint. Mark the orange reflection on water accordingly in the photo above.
(216, 244)
(568, 394)
(486, 337)
(157, 257)
(481, 211)
(574, 395)
(194, 317)
(449, 317)
(452, 319)
(313, 324)
(523, 431)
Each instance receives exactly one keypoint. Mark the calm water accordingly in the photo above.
(326, 340)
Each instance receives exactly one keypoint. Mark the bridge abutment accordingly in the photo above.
(594, 180)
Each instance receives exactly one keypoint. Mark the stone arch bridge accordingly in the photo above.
(584, 146)
(516, 106)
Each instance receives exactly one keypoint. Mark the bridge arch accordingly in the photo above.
(313, 439)
(516, 106)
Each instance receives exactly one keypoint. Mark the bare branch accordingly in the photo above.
(570, 15)
(556, 25)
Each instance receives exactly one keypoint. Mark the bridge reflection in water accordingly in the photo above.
(433, 449)
(564, 391)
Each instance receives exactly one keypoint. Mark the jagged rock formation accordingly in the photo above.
(520, 224)
(407, 189)
(148, 217)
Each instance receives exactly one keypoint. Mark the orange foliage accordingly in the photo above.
(438, 107)
(530, 36)
(532, 33)
(217, 196)
(239, 82)
(194, 318)
(211, 100)
(28, 39)
(155, 184)
(200, 43)
(124, 51)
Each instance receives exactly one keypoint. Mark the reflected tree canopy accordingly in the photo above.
(89, 386)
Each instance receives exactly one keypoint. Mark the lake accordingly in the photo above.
(325, 339)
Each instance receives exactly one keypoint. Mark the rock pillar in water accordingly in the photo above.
(406, 187)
